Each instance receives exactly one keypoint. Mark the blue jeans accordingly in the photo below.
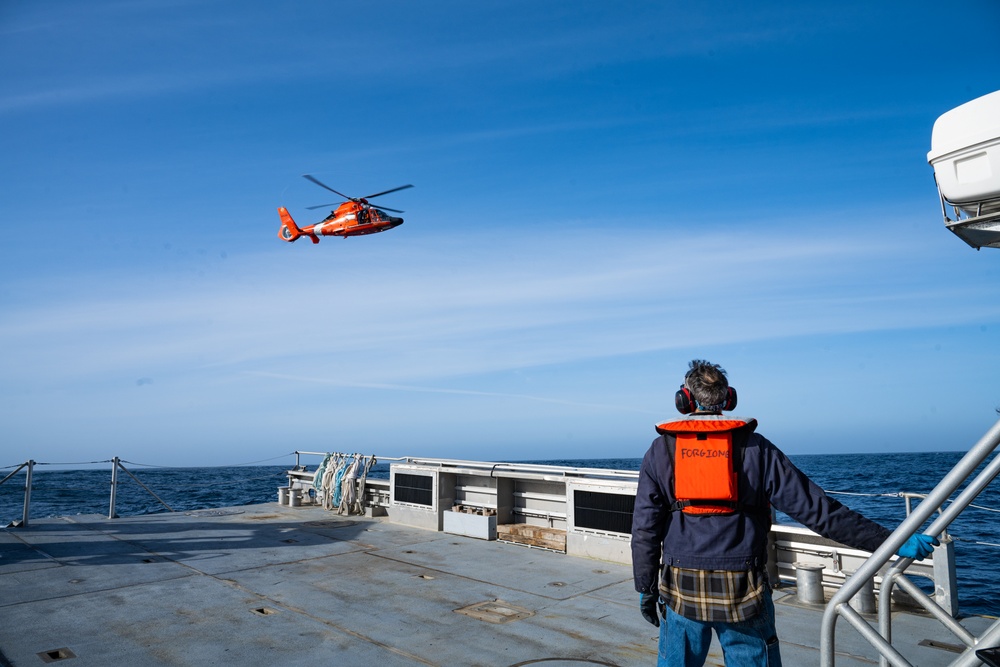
(753, 643)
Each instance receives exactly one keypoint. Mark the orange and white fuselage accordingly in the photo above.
(352, 218)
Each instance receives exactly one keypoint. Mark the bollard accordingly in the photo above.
(294, 499)
(809, 582)
(864, 600)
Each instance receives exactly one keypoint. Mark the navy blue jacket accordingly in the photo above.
(735, 541)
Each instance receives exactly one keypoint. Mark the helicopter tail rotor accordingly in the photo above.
(289, 231)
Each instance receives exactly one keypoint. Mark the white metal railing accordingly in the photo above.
(522, 470)
(881, 639)
(30, 465)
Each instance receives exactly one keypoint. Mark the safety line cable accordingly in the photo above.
(976, 542)
(901, 495)
(71, 463)
(235, 465)
(870, 495)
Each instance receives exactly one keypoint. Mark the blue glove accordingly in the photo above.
(647, 605)
(918, 547)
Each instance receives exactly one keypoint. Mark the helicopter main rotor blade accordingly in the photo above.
(379, 194)
(324, 185)
(380, 208)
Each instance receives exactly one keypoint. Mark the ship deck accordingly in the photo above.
(272, 584)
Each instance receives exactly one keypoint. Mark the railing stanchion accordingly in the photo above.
(27, 494)
(946, 577)
(114, 487)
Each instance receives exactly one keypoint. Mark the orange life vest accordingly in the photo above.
(705, 472)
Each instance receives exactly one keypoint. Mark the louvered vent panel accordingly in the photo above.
(415, 489)
(610, 512)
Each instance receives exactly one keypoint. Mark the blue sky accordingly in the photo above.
(602, 193)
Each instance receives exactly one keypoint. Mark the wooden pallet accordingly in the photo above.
(533, 536)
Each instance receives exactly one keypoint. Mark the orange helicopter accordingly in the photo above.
(355, 217)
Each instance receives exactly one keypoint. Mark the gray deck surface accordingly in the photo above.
(276, 585)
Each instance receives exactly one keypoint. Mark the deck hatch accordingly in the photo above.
(495, 611)
(263, 611)
(611, 512)
(56, 654)
(415, 489)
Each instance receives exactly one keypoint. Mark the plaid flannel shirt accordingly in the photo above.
(713, 595)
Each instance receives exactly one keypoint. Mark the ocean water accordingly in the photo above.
(868, 483)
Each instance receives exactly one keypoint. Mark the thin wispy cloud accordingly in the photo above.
(156, 83)
(547, 307)
(440, 390)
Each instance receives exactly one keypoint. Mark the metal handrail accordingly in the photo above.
(116, 463)
(524, 470)
(881, 640)
(30, 465)
(379, 458)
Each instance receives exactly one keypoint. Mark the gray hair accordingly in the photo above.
(707, 383)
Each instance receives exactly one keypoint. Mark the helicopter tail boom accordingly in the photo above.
(289, 230)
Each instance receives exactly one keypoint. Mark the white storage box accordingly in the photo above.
(965, 154)
(481, 526)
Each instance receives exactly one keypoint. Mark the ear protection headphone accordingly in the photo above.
(685, 403)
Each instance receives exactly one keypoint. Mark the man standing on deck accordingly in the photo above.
(703, 510)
